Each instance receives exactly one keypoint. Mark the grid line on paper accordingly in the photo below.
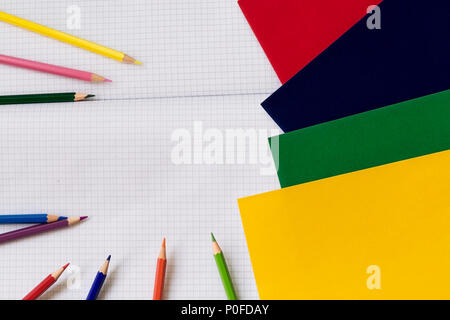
(110, 159)
(188, 48)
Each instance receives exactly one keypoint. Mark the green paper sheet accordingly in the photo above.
(398, 132)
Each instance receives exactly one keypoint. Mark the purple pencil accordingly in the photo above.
(39, 228)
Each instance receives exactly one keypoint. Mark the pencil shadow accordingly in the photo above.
(113, 271)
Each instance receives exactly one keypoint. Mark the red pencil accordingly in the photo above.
(45, 284)
(160, 273)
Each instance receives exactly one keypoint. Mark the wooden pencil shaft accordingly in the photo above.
(45, 284)
(39, 95)
(159, 279)
(225, 276)
(98, 281)
(29, 218)
(36, 229)
(24, 232)
(61, 36)
(96, 286)
(40, 288)
(52, 69)
(23, 218)
(41, 98)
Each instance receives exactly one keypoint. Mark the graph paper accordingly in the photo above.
(196, 47)
(115, 159)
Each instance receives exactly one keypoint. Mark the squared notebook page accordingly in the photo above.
(195, 47)
(113, 161)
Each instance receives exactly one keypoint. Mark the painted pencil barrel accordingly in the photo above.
(40, 288)
(225, 276)
(96, 286)
(61, 36)
(159, 279)
(23, 218)
(44, 67)
(28, 231)
(37, 98)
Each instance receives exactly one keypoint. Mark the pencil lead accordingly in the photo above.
(109, 258)
(82, 96)
(84, 217)
(66, 265)
(62, 218)
(164, 243)
(131, 60)
(212, 237)
(107, 80)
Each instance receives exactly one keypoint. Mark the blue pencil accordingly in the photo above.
(98, 281)
(29, 218)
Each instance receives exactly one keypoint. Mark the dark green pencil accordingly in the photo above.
(223, 270)
(44, 98)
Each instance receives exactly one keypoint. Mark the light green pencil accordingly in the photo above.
(223, 270)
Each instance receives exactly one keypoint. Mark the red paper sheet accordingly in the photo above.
(294, 32)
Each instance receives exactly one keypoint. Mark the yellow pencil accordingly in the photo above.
(64, 37)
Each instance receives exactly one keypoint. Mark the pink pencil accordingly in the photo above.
(48, 68)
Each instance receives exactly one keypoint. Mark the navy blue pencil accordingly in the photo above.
(29, 218)
(98, 281)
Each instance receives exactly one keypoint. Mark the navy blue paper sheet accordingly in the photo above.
(365, 69)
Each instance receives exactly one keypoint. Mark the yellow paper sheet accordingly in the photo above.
(380, 233)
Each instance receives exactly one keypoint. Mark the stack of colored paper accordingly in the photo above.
(378, 233)
(365, 166)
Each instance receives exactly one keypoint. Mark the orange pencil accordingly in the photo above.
(160, 272)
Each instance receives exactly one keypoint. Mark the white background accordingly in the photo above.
(110, 159)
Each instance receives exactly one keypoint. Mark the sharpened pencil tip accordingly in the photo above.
(107, 80)
(62, 218)
(164, 243)
(109, 258)
(66, 265)
(90, 96)
(137, 62)
(212, 237)
(84, 217)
